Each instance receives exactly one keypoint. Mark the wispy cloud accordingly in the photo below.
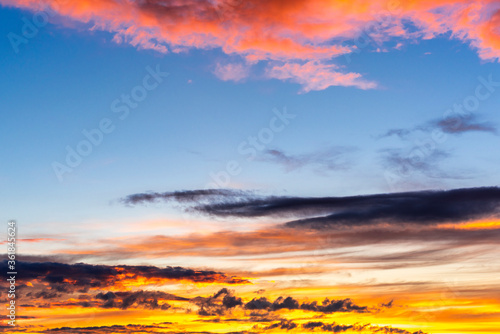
(469, 123)
(232, 71)
(405, 163)
(455, 125)
(322, 161)
(187, 196)
(317, 76)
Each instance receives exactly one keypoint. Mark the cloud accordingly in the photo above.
(331, 159)
(297, 39)
(231, 72)
(314, 75)
(425, 157)
(218, 304)
(423, 208)
(144, 299)
(454, 124)
(284, 303)
(419, 207)
(280, 303)
(332, 306)
(328, 306)
(186, 196)
(258, 304)
(81, 277)
(223, 301)
(125, 329)
(340, 328)
(468, 123)
(283, 324)
(41, 296)
(425, 160)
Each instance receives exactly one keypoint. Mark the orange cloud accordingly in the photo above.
(298, 38)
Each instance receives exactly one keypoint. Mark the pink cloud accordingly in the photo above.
(303, 36)
(232, 72)
(317, 76)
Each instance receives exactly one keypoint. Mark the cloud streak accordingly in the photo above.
(453, 124)
(419, 207)
(331, 159)
(67, 278)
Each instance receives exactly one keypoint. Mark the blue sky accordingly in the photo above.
(63, 82)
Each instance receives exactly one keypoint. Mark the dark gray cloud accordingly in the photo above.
(258, 304)
(142, 299)
(320, 326)
(218, 304)
(327, 306)
(333, 306)
(186, 196)
(419, 207)
(284, 303)
(80, 277)
(283, 324)
(424, 208)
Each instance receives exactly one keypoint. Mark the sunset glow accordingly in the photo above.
(230, 166)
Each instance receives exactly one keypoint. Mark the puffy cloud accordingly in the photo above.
(283, 324)
(217, 304)
(258, 304)
(327, 306)
(332, 306)
(297, 38)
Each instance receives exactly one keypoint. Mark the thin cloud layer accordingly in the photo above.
(469, 123)
(420, 207)
(186, 196)
(406, 162)
(297, 39)
(454, 125)
(331, 159)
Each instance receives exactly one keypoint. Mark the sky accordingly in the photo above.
(228, 166)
